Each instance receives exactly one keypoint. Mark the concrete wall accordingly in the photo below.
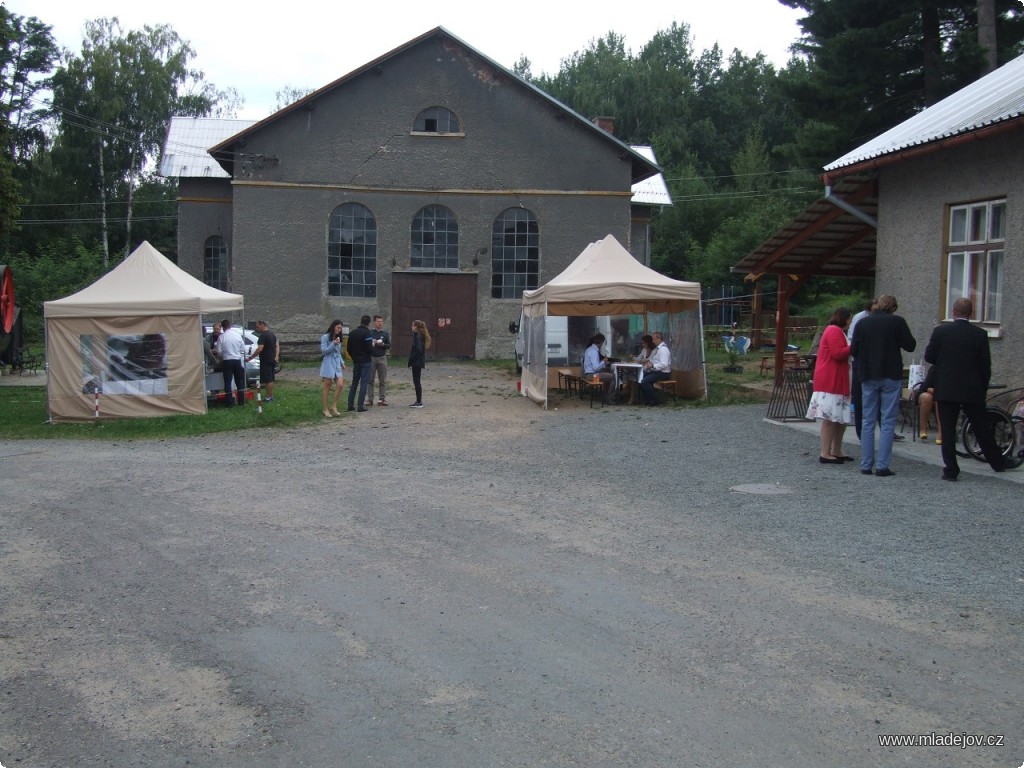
(204, 210)
(356, 144)
(913, 196)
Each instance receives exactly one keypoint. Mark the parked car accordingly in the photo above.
(252, 367)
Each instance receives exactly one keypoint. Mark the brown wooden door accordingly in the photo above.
(445, 302)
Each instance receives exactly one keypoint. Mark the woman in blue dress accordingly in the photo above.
(332, 369)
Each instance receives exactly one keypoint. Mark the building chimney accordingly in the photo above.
(606, 124)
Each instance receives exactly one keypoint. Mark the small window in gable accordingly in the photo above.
(436, 120)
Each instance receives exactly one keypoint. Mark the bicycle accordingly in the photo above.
(1007, 429)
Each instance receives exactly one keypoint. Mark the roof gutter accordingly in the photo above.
(871, 221)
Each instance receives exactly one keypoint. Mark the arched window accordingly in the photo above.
(352, 252)
(515, 253)
(436, 120)
(215, 263)
(435, 239)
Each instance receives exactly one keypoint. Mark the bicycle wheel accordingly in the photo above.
(1002, 432)
(1016, 455)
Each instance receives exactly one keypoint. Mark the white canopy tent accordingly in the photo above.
(131, 341)
(605, 279)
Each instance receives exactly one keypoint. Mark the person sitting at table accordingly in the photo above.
(657, 367)
(646, 347)
(630, 375)
(926, 402)
(595, 366)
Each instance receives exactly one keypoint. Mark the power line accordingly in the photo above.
(742, 175)
(110, 220)
(725, 196)
(109, 202)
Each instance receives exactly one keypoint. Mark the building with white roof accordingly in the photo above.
(933, 209)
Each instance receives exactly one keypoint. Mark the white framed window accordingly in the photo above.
(974, 255)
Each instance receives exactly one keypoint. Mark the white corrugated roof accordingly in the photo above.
(188, 138)
(652, 190)
(994, 98)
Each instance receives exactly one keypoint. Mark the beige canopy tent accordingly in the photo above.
(130, 345)
(605, 279)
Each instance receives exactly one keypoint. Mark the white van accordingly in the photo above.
(557, 329)
(560, 350)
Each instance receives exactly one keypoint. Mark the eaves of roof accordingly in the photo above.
(642, 167)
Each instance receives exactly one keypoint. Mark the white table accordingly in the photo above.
(627, 372)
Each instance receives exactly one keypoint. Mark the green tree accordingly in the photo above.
(289, 95)
(62, 267)
(112, 104)
(873, 64)
(27, 53)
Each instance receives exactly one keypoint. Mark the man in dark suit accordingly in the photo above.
(876, 350)
(963, 365)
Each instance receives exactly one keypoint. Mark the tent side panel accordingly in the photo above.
(535, 353)
(140, 366)
(689, 384)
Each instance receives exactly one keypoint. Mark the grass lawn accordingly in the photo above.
(23, 413)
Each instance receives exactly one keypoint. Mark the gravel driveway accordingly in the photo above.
(485, 583)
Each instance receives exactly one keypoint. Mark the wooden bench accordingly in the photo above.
(668, 386)
(568, 381)
(789, 360)
(591, 386)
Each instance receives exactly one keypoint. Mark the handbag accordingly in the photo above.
(916, 376)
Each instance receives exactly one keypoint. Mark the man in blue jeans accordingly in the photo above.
(876, 350)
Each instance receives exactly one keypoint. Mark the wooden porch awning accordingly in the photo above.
(835, 236)
(826, 239)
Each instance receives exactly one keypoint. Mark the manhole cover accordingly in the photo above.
(764, 489)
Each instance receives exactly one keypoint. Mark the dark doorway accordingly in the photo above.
(445, 302)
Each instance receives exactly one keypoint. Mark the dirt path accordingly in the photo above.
(483, 583)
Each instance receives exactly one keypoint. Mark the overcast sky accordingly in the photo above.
(260, 49)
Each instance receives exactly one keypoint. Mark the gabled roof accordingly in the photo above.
(604, 274)
(827, 238)
(145, 283)
(642, 167)
(188, 138)
(993, 102)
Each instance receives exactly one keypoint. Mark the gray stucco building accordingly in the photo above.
(932, 210)
(430, 183)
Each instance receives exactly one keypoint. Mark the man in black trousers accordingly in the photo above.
(360, 344)
(963, 365)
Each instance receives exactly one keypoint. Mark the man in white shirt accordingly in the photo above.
(231, 351)
(657, 368)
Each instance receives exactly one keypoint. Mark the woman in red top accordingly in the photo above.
(831, 399)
